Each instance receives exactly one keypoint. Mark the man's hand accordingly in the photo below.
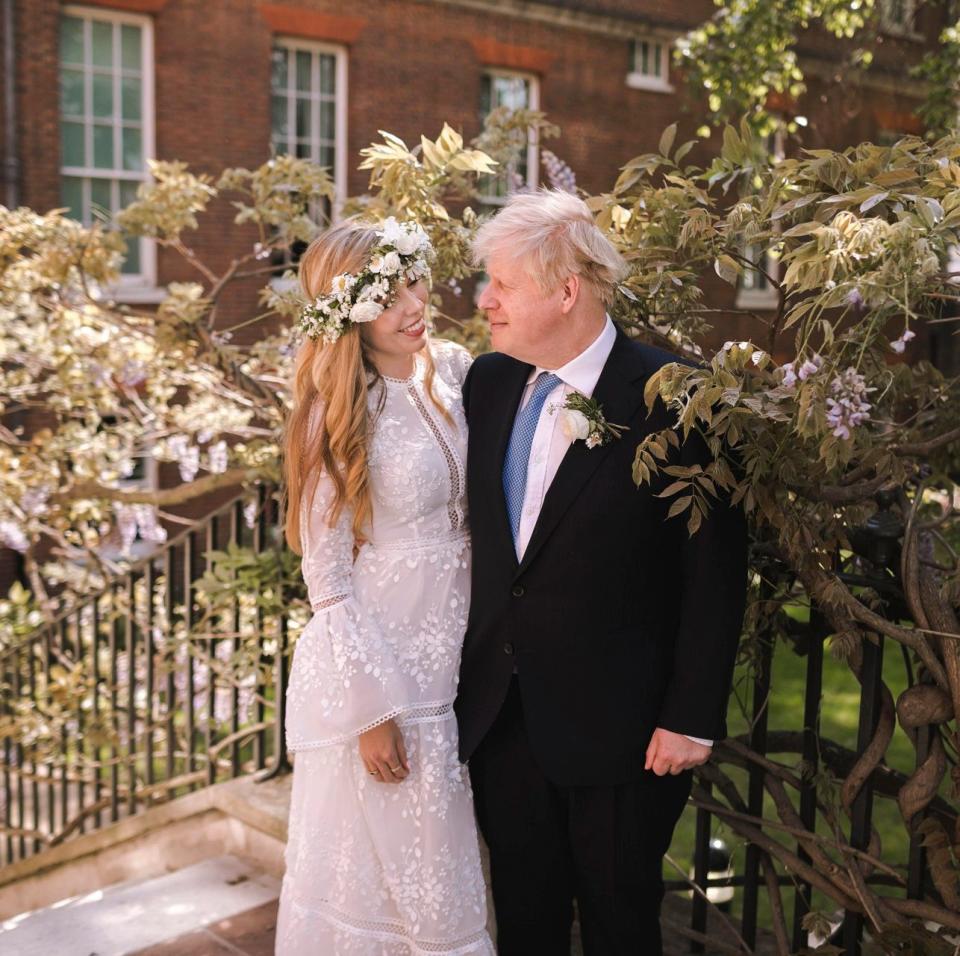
(383, 753)
(673, 753)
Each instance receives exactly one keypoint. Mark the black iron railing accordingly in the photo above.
(804, 750)
(117, 705)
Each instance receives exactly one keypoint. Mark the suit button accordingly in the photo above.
(508, 648)
(518, 590)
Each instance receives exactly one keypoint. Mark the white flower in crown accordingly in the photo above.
(412, 242)
(391, 264)
(366, 311)
(391, 231)
(343, 283)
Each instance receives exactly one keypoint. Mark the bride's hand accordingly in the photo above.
(384, 754)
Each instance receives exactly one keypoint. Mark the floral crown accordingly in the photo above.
(401, 252)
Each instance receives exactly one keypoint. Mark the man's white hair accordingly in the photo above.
(553, 234)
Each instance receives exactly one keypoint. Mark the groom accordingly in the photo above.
(601, 641)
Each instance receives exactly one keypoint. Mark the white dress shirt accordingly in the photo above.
(549, 442)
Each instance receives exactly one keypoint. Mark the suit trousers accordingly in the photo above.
(602, 846)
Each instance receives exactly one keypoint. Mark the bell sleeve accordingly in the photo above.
(344, 678)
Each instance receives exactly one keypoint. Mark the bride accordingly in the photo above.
(382, 856)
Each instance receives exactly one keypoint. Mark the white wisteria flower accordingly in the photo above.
(218, 457)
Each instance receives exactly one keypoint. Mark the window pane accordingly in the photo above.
(327, 121)
(103, 147)
(101, 200)
(130, 57)
(102, 43)
(512, 92)
(131, 265)
(128, 192)
(71, 144)
(102, 94)
(303, 117)
(655, 63)
(132, 148)
(328, 73)
(326, 157)
(303, 149)
(131, 95)
(486, 94)
(303, 71)
(71, 196)
(71, 40)
(71, 92)
(279, 124)
(278, 68)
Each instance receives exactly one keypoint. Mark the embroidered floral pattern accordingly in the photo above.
(376, 869)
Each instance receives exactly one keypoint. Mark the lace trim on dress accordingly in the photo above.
(458, 537)
(321, 604)
(389, 931)
(454, 510)
(421, 714)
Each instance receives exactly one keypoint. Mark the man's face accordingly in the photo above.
(522, 318)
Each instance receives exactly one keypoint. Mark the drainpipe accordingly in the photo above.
(11, 164)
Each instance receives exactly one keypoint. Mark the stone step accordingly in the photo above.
(137, 914)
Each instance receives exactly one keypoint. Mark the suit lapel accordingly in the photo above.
(492, 457)
(619, 391)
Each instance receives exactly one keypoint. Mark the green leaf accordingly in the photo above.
(727, 268)
(681, 504)
(666, 139)
(868, 204)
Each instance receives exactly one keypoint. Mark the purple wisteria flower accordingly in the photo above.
(854, 298)
(559, 174)
(900, 344)
(848, 406)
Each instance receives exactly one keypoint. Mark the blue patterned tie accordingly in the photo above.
(518, 451)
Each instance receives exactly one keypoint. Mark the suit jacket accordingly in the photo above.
(616, 621)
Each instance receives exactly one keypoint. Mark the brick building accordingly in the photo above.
(91, 90)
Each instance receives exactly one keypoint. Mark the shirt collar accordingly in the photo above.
(581, 373)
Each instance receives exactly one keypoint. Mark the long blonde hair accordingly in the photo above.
(328, 427)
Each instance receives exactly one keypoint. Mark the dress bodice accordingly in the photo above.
(417, 454)
(417, 462)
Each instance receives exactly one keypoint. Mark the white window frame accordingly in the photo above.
(533, 148)
(766, 297)
(905, 29)
(647, 81)
(141, 286)
(339, 121)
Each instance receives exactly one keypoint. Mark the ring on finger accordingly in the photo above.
(395, 769)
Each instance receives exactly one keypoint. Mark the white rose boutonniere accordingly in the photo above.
(574, 425)
(581, 419)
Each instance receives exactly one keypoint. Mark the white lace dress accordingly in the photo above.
(372, 868)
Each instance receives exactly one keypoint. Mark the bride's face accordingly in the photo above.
(401, 329)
